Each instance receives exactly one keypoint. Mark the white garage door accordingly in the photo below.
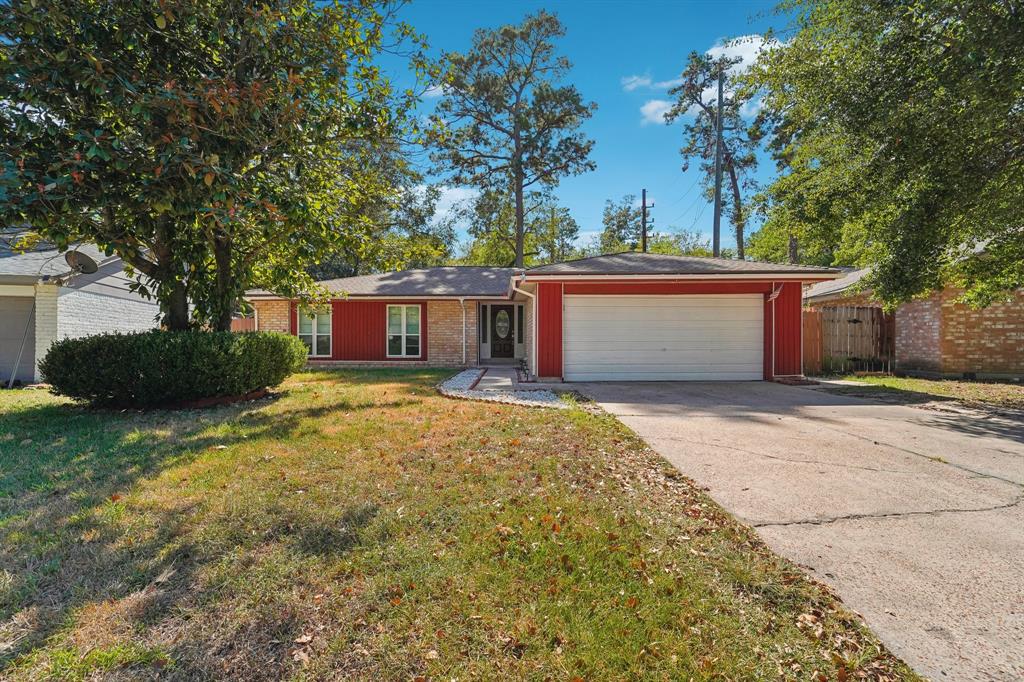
(652, 338)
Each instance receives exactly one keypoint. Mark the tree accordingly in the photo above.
(504, 123)
(555, 232)
(214, 146)
(549, 234)
(899, 130)
(399, 237)
(621, 221)
(696, 101)
(681, 243)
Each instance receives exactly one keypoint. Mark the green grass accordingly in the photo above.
(911, 390)
(361, 526)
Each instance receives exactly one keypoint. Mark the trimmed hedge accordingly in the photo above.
(154, 368)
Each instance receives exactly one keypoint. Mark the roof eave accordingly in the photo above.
(760, 276)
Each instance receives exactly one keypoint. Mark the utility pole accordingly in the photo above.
(717, 238)
(643, 220)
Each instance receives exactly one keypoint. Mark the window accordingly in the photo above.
(315, 332)
(519, 323)
(403, 331)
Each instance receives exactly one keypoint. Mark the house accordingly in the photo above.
(628, 316)
(936, 336)
(43, 299)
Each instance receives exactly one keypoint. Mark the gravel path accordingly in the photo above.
(461, 386)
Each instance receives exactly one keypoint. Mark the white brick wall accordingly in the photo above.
(46, 321)
(83, 314)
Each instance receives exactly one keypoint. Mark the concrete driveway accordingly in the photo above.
(914, 516)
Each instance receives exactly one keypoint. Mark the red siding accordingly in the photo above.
(769, 320)
(788, 330)
(549, 329)
(359, 329)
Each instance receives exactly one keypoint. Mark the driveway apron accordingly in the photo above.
(914, 516)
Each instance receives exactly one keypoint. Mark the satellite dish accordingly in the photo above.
(79, 262)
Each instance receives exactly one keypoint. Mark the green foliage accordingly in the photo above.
(156, 368)
(697, 104)
(621, 222)
(504, 124)
(898, 128)
(549, 233)
(682, 243)
(215, 145)
(397, 237)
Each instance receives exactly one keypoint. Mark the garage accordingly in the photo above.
(16, 312)
(711, 337)
(661, 317)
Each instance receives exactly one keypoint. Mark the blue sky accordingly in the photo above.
(622, 54)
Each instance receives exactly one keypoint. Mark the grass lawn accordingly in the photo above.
(922, 390)
(361, 526)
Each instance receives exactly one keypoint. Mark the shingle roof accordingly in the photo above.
(42, 261)
(454, 281)
(637, 263)
(837, 286)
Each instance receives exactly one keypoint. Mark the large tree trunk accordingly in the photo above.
(794, 250)
(225, 289)
(739, 220)
(175, 308)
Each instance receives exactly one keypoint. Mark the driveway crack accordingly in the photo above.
(888, 515)
(785, 459)
(961, 467)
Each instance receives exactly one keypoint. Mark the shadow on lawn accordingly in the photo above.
(63, 470)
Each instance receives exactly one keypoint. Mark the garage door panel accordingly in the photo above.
(648, 338)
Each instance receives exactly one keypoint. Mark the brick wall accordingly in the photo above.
(444, 334)
(82, 314)
(272, 316)
(985, 341)
(918, 334)
(45, 322)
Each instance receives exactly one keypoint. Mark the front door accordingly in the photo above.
(502, 337)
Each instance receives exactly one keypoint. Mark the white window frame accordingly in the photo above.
(313, 317)
(404, 333)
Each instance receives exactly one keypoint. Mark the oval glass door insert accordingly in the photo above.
(502, 324)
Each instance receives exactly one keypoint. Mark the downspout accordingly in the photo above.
(771, 297)
(462, 302)
(533, 336)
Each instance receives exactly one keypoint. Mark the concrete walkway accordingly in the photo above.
(913, 516)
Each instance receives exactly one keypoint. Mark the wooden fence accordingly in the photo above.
(243, 324)
(840, 339)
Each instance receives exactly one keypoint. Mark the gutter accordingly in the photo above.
(533, 336)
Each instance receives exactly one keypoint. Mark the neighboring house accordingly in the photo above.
(630, 316)
(936, 336)
(42, 300)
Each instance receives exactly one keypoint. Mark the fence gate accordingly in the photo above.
(840, 339)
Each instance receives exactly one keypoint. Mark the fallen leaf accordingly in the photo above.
(432, 655)
(304, 639)
(116, 497)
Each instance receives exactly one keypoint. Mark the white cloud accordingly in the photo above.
(654, 110)
(747, 48)
(434, 91)
(631, 83)
(451, 198)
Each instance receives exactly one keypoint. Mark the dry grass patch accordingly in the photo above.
(913, 390)
(361, 526)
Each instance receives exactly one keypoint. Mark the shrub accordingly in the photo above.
(154, 368)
